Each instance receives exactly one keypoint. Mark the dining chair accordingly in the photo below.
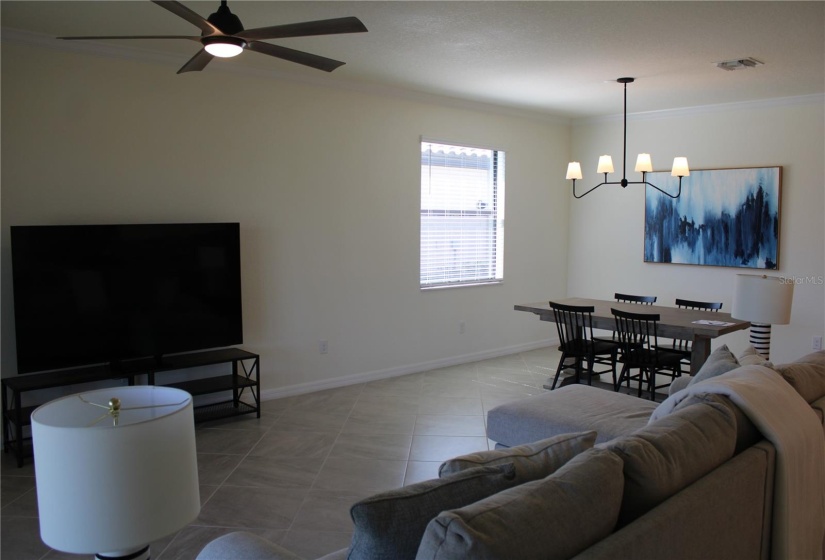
(684, 347)
(638, 341)
(575, 327)
(628, 298)
(625, 298)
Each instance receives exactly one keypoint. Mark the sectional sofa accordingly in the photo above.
(731, 465)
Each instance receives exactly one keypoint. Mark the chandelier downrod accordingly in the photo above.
(643, 164)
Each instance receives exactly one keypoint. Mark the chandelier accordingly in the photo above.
(643, 163)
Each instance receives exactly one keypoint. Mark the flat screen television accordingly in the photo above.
(106, 294)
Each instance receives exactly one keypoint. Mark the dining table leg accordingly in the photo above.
(699, 353)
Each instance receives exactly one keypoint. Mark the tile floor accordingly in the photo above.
(292, 475)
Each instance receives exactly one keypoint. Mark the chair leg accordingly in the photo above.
(558, 370)
(618, 384)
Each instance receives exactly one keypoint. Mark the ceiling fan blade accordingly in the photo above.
(307, 59)
(131, 37)
(197, 62)
(305, 29)
(192, 17)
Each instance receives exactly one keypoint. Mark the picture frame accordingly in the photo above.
(723, 217)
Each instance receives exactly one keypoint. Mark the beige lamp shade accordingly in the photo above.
(762, 299)
(113, 489)
(680, 167)
(644, 163)
(605, 165)
(574, 170)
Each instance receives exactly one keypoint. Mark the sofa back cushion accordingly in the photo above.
(391, 524)
(750, 356)
(719, 361)
(549, 519)
(531, 461)
(806, 375)
(671, 453)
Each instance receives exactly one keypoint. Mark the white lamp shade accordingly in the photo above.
(574, 170)
(103, 488)
(643, 163)
(762, 299)
(680, 167)
(605, 165)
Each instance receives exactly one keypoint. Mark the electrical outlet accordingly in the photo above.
(322, 347)
(461, 327)
(816, 344)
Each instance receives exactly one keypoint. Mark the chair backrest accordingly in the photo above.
(690, 304)
(637, 334)
(575, 326)
(627, 298)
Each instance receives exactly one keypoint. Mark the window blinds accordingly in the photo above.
(462, 215)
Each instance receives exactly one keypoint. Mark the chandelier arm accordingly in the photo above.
(593, 188)
(678, 193)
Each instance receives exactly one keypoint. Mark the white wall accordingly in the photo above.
(325, 184)
(607, 228)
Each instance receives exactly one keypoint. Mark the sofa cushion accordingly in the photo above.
(750, 356)
(719, 361)
(243, 545)
(391, 524)
(531, 461)
(747, 434)
(671, 453)
(806, 375)
(553, 518)
(574, 408)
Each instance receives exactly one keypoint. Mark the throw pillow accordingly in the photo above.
(531, 461)
(391, 524)
(751, 357)
(671, 453)
(549, 519)
(719, 361)
(806, 375)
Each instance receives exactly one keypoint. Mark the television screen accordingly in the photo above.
(96, 294)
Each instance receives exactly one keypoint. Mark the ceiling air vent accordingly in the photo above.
(738, 64)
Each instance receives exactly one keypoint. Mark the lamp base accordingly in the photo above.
(140, 554)
(761, 339)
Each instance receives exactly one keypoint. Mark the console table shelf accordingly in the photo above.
(245, 377)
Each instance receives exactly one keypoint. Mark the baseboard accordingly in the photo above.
(354, 379)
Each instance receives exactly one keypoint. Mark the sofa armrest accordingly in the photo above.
(241, 545)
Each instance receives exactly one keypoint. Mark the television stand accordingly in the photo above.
(245, 375)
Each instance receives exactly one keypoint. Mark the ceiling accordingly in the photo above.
(546, 57)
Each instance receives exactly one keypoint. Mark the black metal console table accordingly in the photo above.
(245, 376)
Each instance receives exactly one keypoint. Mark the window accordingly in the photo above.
(462, 215)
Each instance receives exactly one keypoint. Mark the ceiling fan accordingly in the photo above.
(223, 35)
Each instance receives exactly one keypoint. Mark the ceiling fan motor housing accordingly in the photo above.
(225, 20)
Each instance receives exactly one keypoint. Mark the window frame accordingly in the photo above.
(496, 260)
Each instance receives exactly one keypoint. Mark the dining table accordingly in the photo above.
(697, 326)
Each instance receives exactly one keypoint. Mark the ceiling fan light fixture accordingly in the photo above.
(223, 47)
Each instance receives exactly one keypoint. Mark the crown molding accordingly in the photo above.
(814, 98)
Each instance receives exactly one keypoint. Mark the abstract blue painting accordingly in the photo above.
(724, 217)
